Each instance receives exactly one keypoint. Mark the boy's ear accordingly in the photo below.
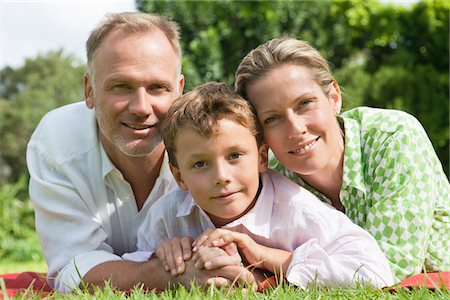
(178, 178)
(263, 158)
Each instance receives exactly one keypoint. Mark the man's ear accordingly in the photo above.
(263, 158)
(178, 178)
(335, 97)
(181, 85)
(88, 91)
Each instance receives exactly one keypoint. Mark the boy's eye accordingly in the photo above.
(235, 155)
(199, 165)
(305, 102)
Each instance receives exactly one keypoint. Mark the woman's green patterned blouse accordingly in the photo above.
(394, 186)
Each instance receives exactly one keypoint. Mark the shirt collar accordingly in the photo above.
(107, 165)
(352, 175)
(257, 220)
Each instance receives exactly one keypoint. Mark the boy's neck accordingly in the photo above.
(219, 222)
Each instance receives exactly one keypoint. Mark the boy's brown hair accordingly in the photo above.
(202, 108)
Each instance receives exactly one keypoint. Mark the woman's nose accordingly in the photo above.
(296, 126)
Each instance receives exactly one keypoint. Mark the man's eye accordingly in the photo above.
(157, 87)
(121, 86)
(199, 164)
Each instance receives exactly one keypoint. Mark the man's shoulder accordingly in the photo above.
(66, 132)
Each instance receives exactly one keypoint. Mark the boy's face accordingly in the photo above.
(221, 171)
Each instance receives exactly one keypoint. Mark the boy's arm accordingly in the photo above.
(334, 251)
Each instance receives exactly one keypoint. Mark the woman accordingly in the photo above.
(378, 166)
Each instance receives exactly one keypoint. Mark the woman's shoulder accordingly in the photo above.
(384, 120)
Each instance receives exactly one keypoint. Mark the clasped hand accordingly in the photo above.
(214, 248)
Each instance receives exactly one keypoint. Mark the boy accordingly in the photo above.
(216, 155)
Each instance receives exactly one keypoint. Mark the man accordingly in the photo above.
(97, 168)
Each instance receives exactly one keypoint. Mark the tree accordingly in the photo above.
(26, 94)
(383, 55)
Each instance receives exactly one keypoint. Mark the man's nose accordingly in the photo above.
(141, 103)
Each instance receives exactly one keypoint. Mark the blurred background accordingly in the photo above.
(389, 54)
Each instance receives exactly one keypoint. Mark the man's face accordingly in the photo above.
(137, 77)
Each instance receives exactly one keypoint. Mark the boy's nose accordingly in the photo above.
(222, 175)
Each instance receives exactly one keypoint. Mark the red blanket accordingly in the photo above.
(31, 281)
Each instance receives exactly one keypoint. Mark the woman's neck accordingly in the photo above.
(328, 181)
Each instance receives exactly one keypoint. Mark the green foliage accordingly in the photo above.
(26, 94)
(383, 55)
(18, 240)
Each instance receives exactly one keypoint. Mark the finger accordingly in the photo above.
(218, 282)
(161, 256)
(201, 238)
(169, 259)
(231, 249)
(186, 246)
(222, 261)
(198, 242)
(206, 253)
(228, 238)
(177, 252)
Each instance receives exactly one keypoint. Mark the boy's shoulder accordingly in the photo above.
(174, 203)
(288, 193)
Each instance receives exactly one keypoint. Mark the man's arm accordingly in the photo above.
(124, 275)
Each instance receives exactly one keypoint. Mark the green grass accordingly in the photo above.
(285, 292)
(8, 266)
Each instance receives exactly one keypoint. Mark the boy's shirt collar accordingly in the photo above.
(257, 220)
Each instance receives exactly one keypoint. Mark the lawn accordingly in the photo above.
(281, 292)
(7, 266)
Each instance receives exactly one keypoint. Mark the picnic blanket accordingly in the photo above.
(32, 281)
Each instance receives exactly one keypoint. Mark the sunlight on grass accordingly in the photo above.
(18, 267)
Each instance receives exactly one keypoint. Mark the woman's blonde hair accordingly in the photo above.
(277, 52)
(201, 109)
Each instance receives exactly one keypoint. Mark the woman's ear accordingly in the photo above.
(263, 158)
(335, 97)
(178, 178)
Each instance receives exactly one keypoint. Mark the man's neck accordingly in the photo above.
(141, 172)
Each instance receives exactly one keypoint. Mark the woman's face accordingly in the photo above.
(299, 119)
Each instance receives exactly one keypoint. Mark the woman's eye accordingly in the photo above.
(199, 164)
(270, 119)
